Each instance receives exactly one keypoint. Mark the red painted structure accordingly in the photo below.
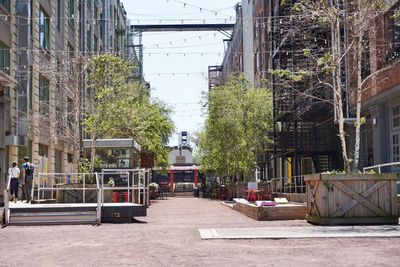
(172, 169)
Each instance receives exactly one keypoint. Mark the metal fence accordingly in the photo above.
(294, 184)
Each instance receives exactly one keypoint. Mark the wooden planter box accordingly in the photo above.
(351, 199)
(291, 211)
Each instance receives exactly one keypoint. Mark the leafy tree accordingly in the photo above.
(349, 26)
(123, 109)
(239, 116)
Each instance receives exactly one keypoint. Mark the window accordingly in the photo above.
(59, 15)
(367, 152)
(44, 30)
(395, 133)
(43, 95)
(71, 9)
(43, 150)
(89, 40)
(70, 57)
(5, 4)
(392, 32)
(4, 58)
(365, 57)
(95, 44)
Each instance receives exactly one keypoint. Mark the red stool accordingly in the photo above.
(115, 197)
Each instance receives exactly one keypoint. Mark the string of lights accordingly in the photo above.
(201, 9)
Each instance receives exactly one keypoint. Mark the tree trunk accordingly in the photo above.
(337, 85)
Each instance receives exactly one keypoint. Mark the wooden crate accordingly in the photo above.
(351, 199)
(291, 211)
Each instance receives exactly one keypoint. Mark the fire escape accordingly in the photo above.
(304, 134)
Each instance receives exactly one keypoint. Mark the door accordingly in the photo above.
(395, 135)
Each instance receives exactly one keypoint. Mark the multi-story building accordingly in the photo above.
(380, 135)
(114, 28)
(304, 135)
(44, 47)
(8, 89)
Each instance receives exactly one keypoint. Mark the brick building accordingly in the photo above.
(381, 92)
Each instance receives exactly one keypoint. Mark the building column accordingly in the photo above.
(196, 177)
(171, 180)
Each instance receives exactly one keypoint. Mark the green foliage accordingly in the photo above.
(85, 165)
(239, 119)
(295, 76)
(124, 110)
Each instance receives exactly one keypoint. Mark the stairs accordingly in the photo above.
(38, 214)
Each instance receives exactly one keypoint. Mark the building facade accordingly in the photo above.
(8, 87)
(380, 137)
(45, 46)
(304, 135)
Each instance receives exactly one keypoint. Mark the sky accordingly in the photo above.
(176, 63)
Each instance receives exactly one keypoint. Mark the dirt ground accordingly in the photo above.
(169, 236)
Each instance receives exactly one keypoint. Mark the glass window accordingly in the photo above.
(5, 4)
(4, 58)
(89, 40)
(396, 117)
(367, 152)
(71, 9)
(43, 150)
(44, 30)
(43, 95)
(59, 15)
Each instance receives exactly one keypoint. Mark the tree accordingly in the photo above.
(239, 116)
(349, 24)
(123, 109)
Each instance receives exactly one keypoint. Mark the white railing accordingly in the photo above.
(7, 200)
(379, 166)
(138, 181)
(56, 182)
(294, 184)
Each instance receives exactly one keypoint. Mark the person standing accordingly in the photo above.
(14, 173)
(28, 169)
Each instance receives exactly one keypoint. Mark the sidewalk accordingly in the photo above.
(169, 236)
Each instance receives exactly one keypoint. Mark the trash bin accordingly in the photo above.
(196, 192)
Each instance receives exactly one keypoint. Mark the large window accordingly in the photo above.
(43, 95)
(392, 32)
(59, 2)
(5, 4)
(4, 58)
(395, 119)
(71, 9)
(367, 152)
(44, 30)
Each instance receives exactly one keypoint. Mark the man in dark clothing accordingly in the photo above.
(27, 172)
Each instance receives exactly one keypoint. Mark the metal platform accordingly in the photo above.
(77, 213)
(81, 199)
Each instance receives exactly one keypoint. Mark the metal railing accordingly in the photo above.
(46, 186)
(138, 181)
(61, 182)
(7, 200)
(294, 184)
(379, 166)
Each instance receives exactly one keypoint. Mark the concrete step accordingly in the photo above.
(42, 216)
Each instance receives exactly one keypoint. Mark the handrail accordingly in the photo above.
(99, 203)
(379, 166)
(297, 184)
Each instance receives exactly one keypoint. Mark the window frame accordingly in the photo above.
(44, 29)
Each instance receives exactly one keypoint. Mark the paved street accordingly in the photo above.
(169, 236)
